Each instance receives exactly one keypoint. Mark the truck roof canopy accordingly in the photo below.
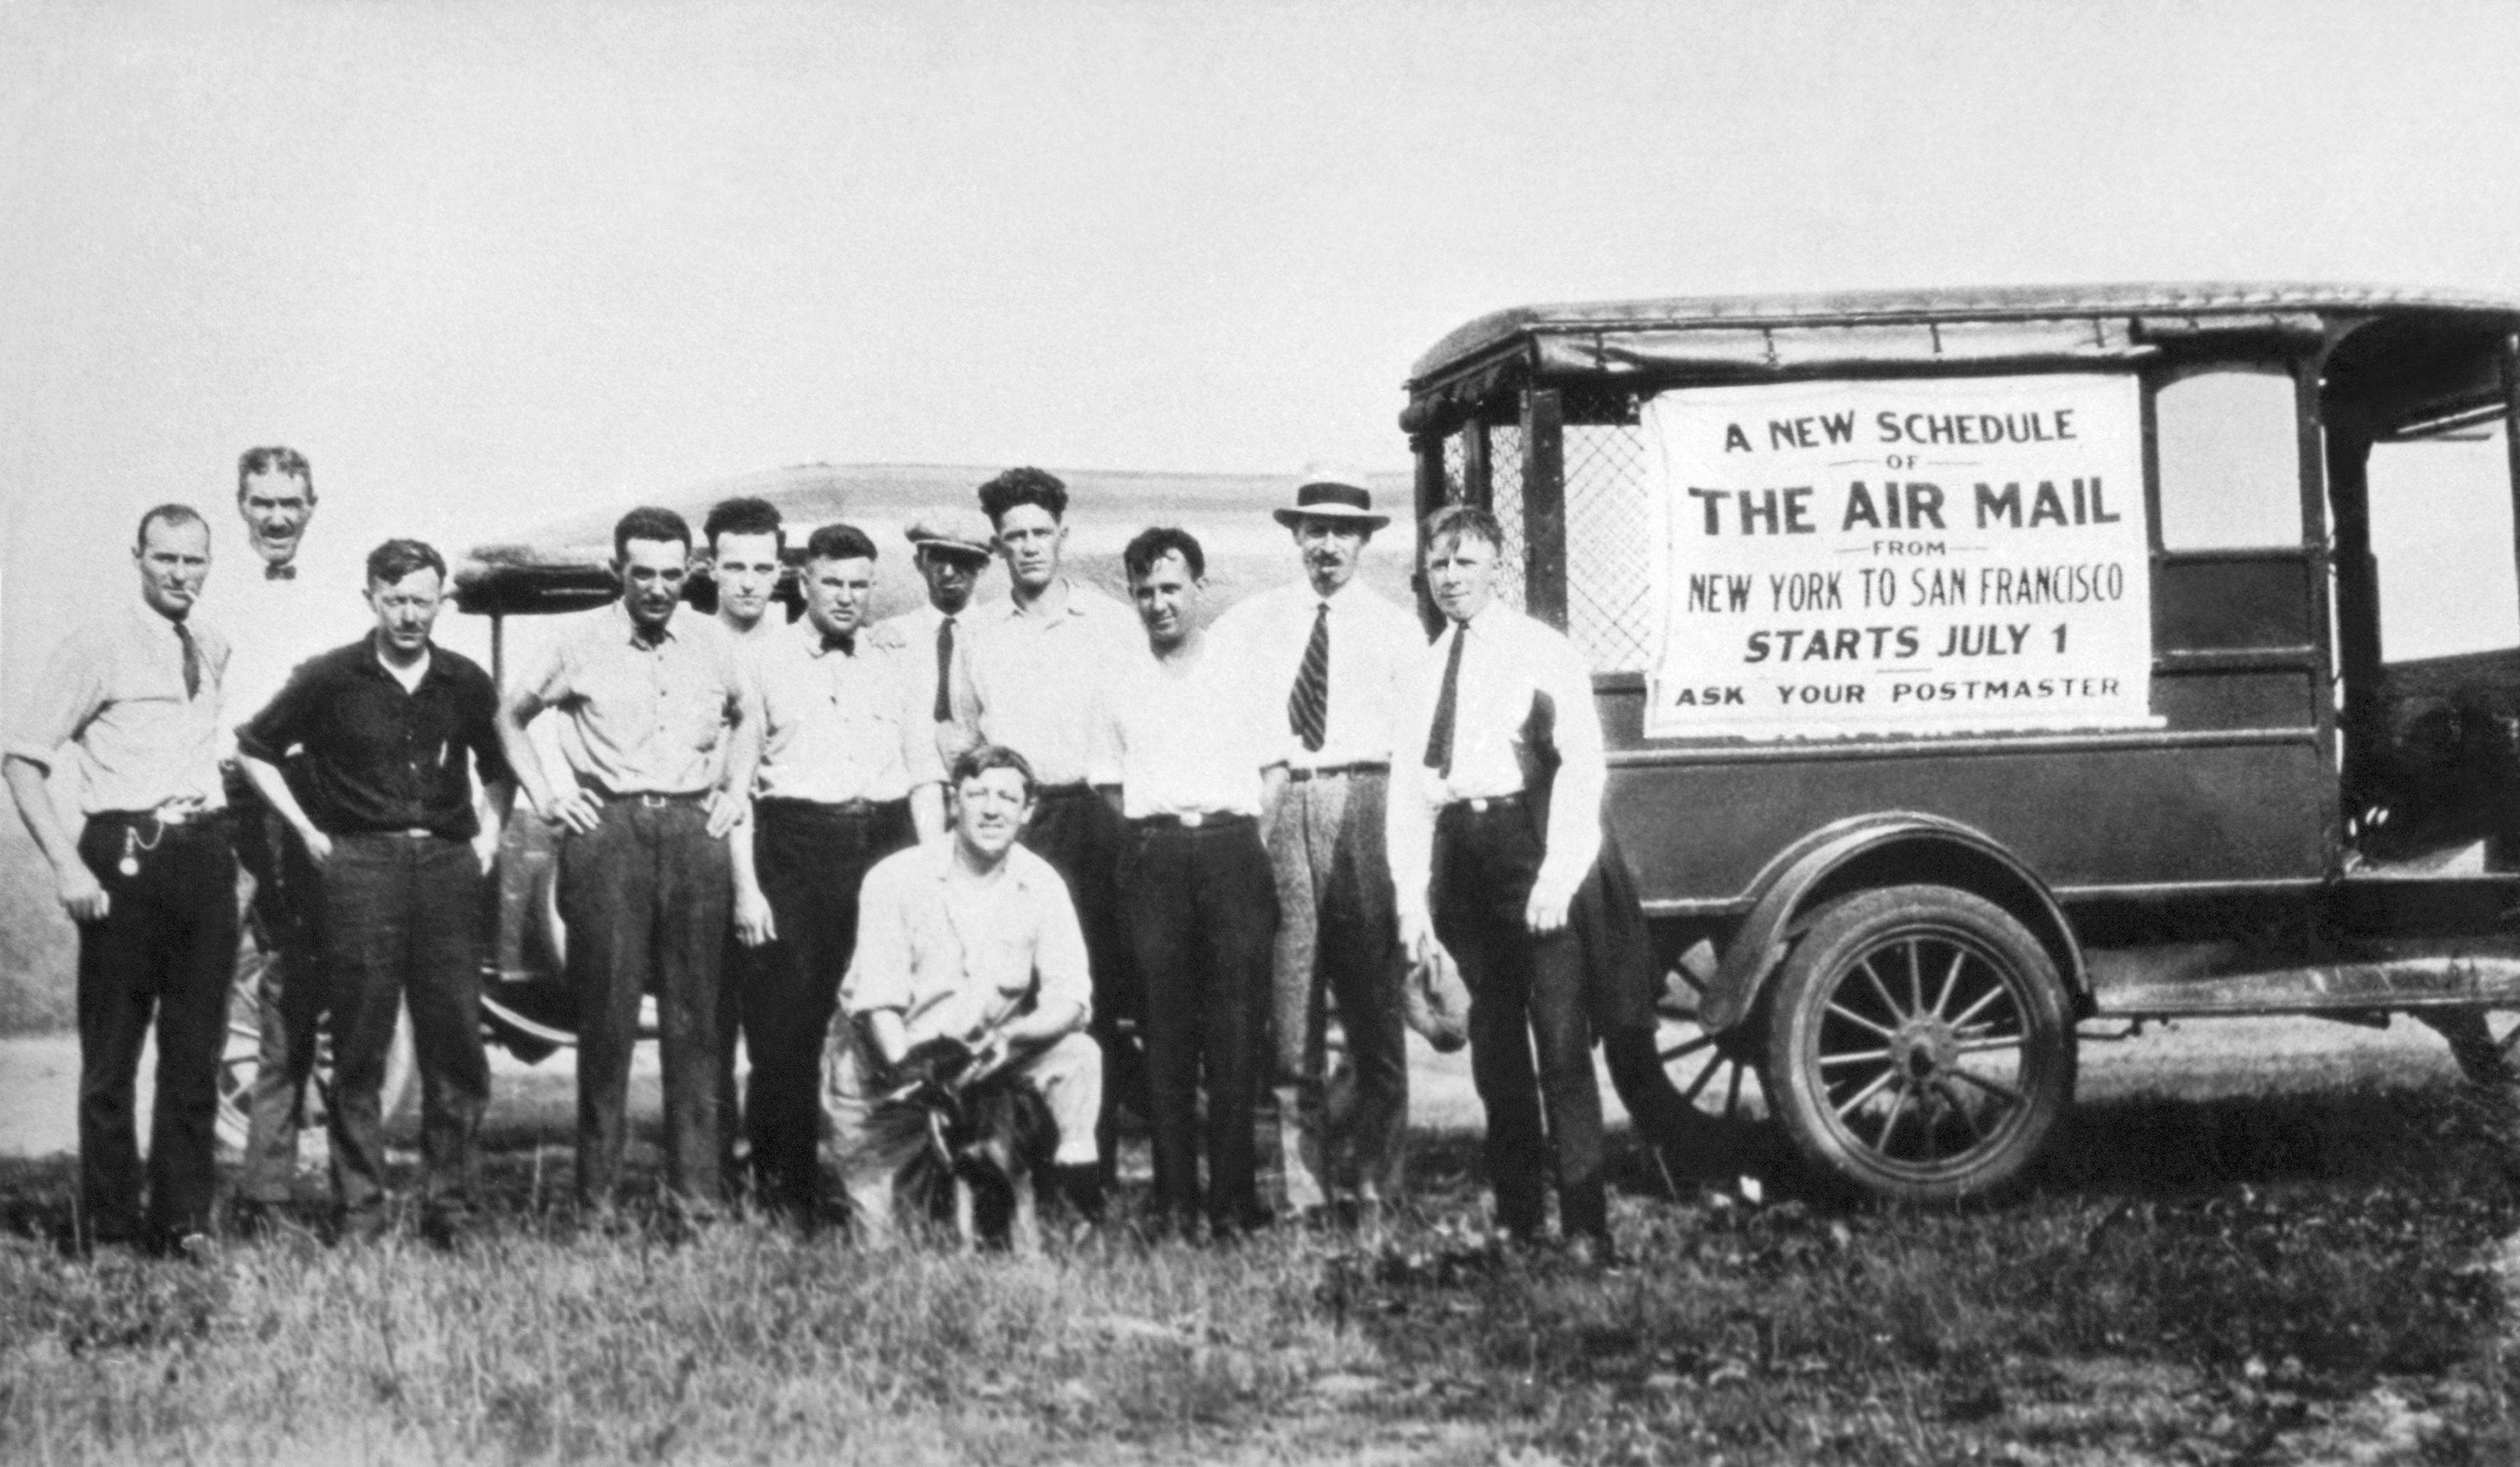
(1639, 343)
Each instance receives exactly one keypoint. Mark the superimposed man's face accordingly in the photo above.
(1030, 537)
(406, 610)
(989, 812)
(747, 572)
(174, 560)
(1167, 597)
(652, 575)
(1460, 575)
(1331, 549)
(950, 577)
(276, 507)
(837, 594)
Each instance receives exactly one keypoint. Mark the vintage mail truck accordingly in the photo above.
(1985, 669)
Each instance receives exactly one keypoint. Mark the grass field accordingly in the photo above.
(2312, 1278)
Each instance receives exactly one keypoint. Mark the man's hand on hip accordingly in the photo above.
(578, 811)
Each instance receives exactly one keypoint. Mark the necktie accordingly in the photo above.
(192, 660)
(275, 571)
(845, 643)
(1439, 735)
(944, 670)
(1308, 706)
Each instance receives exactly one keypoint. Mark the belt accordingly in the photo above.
(647, 797)
(1194, 820)
(1328, 771)
(846, 808)
(171, 816)
(1482, 804)
(1069, 791)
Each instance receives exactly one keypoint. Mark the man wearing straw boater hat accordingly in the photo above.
(1341, 654)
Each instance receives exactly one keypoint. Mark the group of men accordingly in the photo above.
(1117, 859)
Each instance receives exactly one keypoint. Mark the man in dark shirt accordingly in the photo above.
(382, 728)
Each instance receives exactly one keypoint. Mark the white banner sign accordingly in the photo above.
(1901, 558)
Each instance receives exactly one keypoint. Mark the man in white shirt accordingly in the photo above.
(1343, 656)
(969, 939)
(1185, 752)
(1498, 700)
(131, 701)
(1030, 678)
(848, 775)
(745, 539)
(951, 548)
(290, 602)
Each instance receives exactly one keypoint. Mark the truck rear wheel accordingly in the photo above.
(1919, 1045)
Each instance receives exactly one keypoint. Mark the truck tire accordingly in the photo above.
(1919, 1043)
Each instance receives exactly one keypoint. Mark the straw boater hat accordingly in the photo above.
(1331, 490)
(953, 529)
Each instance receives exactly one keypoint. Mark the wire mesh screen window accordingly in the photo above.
(1504, 499)
(1609, 546)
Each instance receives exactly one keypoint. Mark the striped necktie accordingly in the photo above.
(1308, 706)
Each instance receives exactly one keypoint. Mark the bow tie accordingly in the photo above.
(273, 571)
(845, 643)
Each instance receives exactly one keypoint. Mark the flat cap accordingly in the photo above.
(953, 530)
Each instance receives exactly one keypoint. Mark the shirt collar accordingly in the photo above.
(1071, 600)
(629, 629)
(372, 661)
(939, 855)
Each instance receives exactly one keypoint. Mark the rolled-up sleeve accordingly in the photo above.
(57, 708)
(878, 976)
(284, 722)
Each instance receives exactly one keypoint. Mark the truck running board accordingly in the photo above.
(2438, 982)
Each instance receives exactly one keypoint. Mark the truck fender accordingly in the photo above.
(1878, 850)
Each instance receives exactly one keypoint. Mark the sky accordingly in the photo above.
(489, 266)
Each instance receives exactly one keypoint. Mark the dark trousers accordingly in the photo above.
(404, 916)
(1085, 840)
(1201, 909)
(285, 923)
(812, 860)
(1523, 988)
(163, 951)
(1337, 940)
(644, 896)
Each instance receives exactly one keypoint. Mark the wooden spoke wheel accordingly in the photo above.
(1919, 1045)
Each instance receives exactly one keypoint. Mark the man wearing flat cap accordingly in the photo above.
(1338, 654)
(952, 548)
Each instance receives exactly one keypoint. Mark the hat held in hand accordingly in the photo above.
(1437, 1003)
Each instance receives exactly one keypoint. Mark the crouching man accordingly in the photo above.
(971, 938)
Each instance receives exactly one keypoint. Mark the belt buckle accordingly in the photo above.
(1479, 805)
(1193, 818)
(655, 801)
